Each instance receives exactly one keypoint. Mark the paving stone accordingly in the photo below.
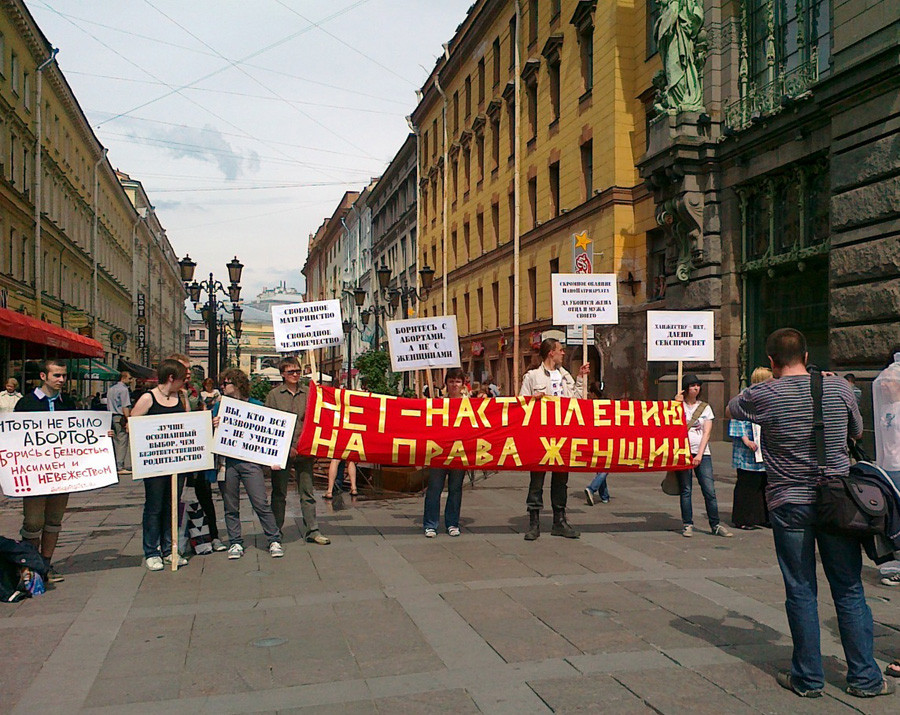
(589, 695)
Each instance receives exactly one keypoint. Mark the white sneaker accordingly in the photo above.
(154, 563)
(453, 531)
(892, 580)
(218, 545)
(181, 560)
(720, 530)
(275, 550)
(236, 551)
(687, 530)
(588, 496)
(430, 533)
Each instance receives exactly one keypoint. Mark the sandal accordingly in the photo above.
(893, 669)
(326, 496)
(354, 493)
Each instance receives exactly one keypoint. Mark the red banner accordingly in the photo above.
(554, 434)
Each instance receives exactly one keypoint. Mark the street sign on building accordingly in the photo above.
(582, 253)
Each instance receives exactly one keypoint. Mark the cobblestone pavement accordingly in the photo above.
(631, 618)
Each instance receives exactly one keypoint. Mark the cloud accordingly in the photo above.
(209, 146)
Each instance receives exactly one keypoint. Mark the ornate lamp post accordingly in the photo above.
(394, 296)
(210, 310)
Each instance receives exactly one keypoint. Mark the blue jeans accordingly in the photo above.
(598, 486)
(436, 477)
(157, 521)
(793, 526)
(704, 474)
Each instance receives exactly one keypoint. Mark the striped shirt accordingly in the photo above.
(784, 409)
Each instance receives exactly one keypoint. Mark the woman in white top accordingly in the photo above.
(10, 396)
(699, 416)
(209, 396)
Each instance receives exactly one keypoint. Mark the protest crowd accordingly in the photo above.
(792, 430)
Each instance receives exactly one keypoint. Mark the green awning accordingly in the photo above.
(85, 369)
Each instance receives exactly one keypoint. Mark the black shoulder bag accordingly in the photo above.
(844, 506)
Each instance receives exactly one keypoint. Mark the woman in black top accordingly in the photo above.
(164, 399)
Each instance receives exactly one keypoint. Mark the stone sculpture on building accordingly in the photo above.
(682, 44)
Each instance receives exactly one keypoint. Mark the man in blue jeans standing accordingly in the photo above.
(784, 409)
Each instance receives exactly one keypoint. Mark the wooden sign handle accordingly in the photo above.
(174, 554)
(680, 371)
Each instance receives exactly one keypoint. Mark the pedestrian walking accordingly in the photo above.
(699, 418)
(10, 396)
(749, 504)
(156, 525)
(598, 488)
(43, 515)
(236, 384)
(453, 384)
(118, 402)
(291, 396)
(550, 378)
(334, 467)
(783, 408)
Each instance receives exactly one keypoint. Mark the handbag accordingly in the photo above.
(843, 505)
(670, 483)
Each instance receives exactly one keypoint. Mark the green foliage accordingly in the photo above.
(260, 388)
(375, 370)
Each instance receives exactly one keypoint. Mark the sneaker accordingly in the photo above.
(54, 576)
(218, 545)
(720, 530)
(783, 678)
(604, 500)
(275, 550)
(588, 497)
(236, 551)
(318, 539)
(453, 531)
(430, 533)
(181, 560)
(892, 580)
(154, 563)
(887, 688)
(687, 530)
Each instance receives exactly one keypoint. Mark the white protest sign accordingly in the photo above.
(170, 444)
(585, 299)
(685, 336)
(254, 433)
(306, 326)
(422, 343)
(45, 453)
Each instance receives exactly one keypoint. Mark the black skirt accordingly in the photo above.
(750, 499)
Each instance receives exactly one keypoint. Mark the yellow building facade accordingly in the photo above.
(584, 78)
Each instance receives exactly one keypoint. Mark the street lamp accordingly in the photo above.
(209, 312)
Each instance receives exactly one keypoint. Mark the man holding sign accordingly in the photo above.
(551, 379)
(43, 515)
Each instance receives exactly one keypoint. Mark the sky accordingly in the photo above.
(247, 120)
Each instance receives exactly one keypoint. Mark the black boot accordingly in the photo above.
(561, 527)
(535, 530)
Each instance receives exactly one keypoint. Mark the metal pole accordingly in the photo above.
(212, 324)
(516, 191)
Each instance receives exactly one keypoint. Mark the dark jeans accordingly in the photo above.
(558, 492)
(157, 521)
(793, 526)
(436, 478)
(203, 490)
(302, 467)
(704, 474)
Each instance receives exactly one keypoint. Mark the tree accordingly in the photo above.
(375, 368)
(260, 388)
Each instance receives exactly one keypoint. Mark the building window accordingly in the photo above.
(531, 100)
(467, 242)
(533, 12)
(481, 81)
(496, 61)
(532, 201)
(467, 168)
(652, 19)
(495, 293)
(479, 306)
(656, 264)
(554, 9)
(512, 216)
(434, 143)
(554, 266)
(511, 127)
(553, 74)
(454, 175)
(512, 42)
(587, 169)
(467, 318)
(455, 112)
(586, 44)
(495, 224)
(26, 90)
(454, 250)
(479, 149)
(553, 176)
(532, 292)
(495, 142)
(14, 73)
(2, 55)
(468, 96)
(479, 232)
(512, 300)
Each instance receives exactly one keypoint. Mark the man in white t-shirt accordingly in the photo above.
(551, 378)
(699, 417)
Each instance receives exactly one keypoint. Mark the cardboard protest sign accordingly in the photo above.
(422, 343)
(254, 433)
(306, 326)
(170, 444)
(684, 336)
(557, 434)
(45, 453)
(585, 299)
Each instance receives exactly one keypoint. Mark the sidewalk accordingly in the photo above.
(631, 618)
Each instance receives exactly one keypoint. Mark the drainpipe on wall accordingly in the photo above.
(516, 192)
(415, 130)
(446, 152)
(94, 318)
(38, 144)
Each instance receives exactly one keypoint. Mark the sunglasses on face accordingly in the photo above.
(226, 382)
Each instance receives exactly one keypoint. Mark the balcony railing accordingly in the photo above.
(760, 102)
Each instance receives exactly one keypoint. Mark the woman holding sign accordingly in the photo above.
(164, 399)
(453, 384)
(236, 384)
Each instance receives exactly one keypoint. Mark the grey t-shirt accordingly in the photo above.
(784, 409)
(118, 398)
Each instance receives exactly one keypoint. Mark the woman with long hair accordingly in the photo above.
(749, 510)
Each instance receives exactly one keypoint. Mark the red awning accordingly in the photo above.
(30, 330)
